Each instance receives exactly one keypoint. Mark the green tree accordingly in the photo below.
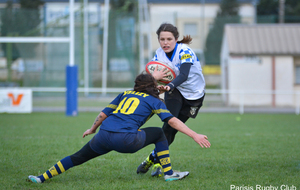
(123, 5)
(228, 13)
(29, 17)
(267, 11)
(21, 21)
(292, 8)
(122, 34)
(267, 7)
(9, 28)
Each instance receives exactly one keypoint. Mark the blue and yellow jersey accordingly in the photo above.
(130, 110)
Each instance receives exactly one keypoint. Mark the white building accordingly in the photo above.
(261, 64)
(192, 17)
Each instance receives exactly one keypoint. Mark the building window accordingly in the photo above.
(190, 29)
(297, 74)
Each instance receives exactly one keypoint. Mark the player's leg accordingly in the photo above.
(155, 135)
(83, 155)
(182, 109)
(89, 151)
(187, 109)
(173, 102)
(151, 136)
(170, 133)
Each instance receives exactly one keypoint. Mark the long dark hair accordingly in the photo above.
(167, 27)
(146, 83)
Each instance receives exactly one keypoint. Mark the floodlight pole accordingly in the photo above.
(141, 33)
(147, 18)
(203, 25)
(71, 69)
(254, 3)
(86, 48)
(105, 43)
(71, 28)
(281, 11)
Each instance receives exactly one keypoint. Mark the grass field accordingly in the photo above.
(247, 151)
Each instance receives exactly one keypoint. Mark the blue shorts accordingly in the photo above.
(106, 141)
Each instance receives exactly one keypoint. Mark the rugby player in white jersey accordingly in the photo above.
(185, 94)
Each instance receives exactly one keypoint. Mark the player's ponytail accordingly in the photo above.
(167, 27)
(186, 40)
(146, 83)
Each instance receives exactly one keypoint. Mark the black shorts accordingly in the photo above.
(188, 108)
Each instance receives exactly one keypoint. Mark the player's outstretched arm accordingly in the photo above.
(98, 121)
(180, 126)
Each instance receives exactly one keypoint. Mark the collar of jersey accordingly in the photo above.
(174, 51)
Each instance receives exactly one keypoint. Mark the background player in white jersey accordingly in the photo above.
(185, 94)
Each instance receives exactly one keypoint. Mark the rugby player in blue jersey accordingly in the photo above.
(185, 94)
(120, 131)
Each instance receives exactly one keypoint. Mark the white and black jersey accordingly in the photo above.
(194, 87)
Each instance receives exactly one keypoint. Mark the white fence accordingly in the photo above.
(242, 98)
(216, 100)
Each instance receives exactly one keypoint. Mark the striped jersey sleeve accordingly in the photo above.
(162, 111)
(113, 105)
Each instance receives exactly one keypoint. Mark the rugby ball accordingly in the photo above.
(150, 67)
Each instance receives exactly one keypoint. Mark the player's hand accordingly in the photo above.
(202, 140)
(160, 74)
(87, 132)
(163, 88)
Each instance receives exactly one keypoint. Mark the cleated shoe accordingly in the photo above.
(34, 179)
(144, 166)
(156, 170)
(176, 176)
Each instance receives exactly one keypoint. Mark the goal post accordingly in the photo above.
(71, 69)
